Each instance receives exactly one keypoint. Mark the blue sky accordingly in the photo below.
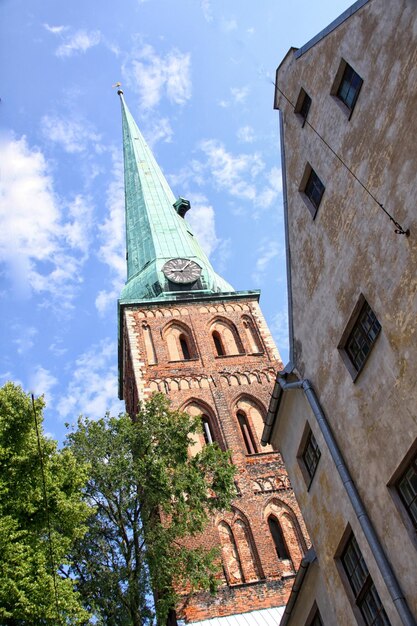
(198, 78)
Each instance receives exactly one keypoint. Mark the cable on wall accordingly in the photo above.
(399, 230)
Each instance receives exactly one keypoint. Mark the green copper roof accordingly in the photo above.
(155, 231)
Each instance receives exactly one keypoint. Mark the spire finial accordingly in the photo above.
(119, 91)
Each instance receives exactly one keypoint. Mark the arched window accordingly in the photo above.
(254, 412)
(209, 432)
(218, 343)
(240, 558)
(184, 347)
(149, 347)
(180, 343)
(278, 537)
(287, 535)
(252, 336)
(246, 433)
(231, 559)
(208, 435)
(244, 541)
(226, 337)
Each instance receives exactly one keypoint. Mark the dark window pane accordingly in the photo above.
(208, 436)
(246, 433)
(407, 487)
(355, 566)
(349, 87)
(184, 348)
(218, 344)
(366, 595)
(305, 106)
(362, 336)
(311, 454)
(314, 189)
(372, 609)
(278, 537)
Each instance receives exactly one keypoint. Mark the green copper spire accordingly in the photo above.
(156, 231)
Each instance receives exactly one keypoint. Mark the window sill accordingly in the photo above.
(229, 356)
(257, 455)
(185, 360)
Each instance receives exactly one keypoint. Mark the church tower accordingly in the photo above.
(184, 331)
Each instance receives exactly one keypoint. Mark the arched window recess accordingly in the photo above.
(179, 341)
(185, 348)
(226, 338)
(218, 343)
(207, 432)
(278, 538)
(246, 433)
(252, 336)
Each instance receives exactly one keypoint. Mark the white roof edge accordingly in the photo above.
(261, 617)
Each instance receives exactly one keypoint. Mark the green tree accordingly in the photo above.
(149, 494)
(42, 513)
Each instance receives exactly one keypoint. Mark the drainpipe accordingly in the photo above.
(377, 550)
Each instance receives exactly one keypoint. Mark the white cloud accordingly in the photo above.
(92, 389)
(207, 10)
(159, 130)
(154, 76)
(38, 246)
(57, 348)
(10, 377)
(112, 234)
(238, 95)
(24, 339)
(272, 189)
(228, 25)
(201, 219)
(77, 229)
(234, 173)
(41, 381)
(79, 42)
(74, 136)
(242, 176)
(266, 253)
(246, 134)
(279, 330)
(223, 254)
(55, 30)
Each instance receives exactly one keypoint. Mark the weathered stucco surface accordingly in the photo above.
(349, 249)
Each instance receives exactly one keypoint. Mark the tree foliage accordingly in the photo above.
(148, 495)
(36, 537)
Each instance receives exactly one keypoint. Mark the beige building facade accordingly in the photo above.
(344, 410)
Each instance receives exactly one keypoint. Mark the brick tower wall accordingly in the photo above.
(222, 387)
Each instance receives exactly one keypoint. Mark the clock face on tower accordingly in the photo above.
(181, 270)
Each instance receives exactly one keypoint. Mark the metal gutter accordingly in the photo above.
(377, 550)
(277, 391)
(307, 560)
(331, 27)
(287, 239)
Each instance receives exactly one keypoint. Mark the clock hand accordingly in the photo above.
(186, 265)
